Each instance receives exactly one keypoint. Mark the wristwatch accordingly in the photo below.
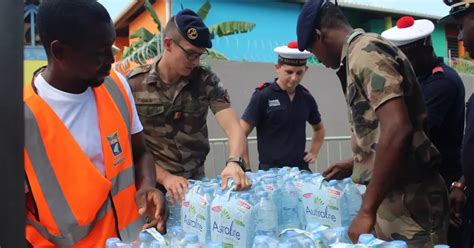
(459, 185)
(237, 160)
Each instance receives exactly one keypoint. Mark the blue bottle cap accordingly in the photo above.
(347, 180)
(441, 246)
(263, 194)
(332, 183)
(365, 238)
(214, 244)
(400, 244)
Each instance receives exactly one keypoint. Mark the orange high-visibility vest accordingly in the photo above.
(73, 203)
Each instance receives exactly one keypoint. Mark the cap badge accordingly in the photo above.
(192, 33)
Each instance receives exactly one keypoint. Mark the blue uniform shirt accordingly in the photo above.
(443, 93)
(281, 124)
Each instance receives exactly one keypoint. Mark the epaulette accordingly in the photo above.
(262, 85)
(437, 69)
(138, 70)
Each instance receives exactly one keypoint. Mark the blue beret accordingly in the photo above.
(307, 22)
(192, 28)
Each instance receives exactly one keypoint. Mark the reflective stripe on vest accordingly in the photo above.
(71, 232)
(119, 100)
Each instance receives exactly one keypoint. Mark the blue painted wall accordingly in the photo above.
(276, 26)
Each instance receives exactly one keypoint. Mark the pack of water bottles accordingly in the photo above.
(278, 199)
(285, 208)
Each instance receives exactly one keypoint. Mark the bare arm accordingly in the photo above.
(149, 200)
(316, 143)
(145, 175)
(247, 128)
(395, 135)
(228, 121)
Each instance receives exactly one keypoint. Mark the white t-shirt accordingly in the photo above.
(79, 114)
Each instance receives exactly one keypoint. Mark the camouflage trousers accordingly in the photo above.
(415, 212)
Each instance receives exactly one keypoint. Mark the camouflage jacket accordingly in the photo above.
(174, 116)
(373, 71)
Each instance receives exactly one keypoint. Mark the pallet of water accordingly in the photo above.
(285, 208)
(278, 199)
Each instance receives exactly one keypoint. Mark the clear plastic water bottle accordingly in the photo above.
(111, 242)
(175, 235)
(336, 201)
(191, 241)
(354, 198)
(214, 244)
(402, 244)
(174, 212)
(370, 240)
(144, 240)
(335, 235)
(155, 244)
(264, 241)
(441, 246)
(206, 201)
(266, 216)
(289, 216)
(123, 245)
(288, 244)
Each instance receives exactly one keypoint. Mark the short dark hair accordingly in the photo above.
(68, 20)
(331, 16)
(171, 30)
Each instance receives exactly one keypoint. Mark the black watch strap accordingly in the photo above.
(237, 160)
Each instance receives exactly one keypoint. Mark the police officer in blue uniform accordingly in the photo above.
(444, 96)
(462, 12)
(279, 110)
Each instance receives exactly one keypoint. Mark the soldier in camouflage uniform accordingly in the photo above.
(172, 96)
(405, 198)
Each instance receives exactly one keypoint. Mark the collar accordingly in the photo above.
(154, 75)
(349, 38)
(274, 86)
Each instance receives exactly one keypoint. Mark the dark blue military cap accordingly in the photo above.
(307, 22)
(457, 7)
(192, 28)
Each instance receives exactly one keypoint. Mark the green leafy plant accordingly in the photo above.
(149, 45)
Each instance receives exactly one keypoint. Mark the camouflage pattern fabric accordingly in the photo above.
(379, 72)
(373, 71)
(174, 116)
(416, 213)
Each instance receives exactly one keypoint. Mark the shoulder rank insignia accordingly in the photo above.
(262, 85)
(138, 70)
(437, 69)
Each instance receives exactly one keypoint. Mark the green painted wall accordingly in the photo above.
(439, 41)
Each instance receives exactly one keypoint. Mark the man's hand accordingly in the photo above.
(151, 203)
(310, 157)
(339, 170)
(234, 171)
(457, 199)
(177, 187)
(363, 223)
